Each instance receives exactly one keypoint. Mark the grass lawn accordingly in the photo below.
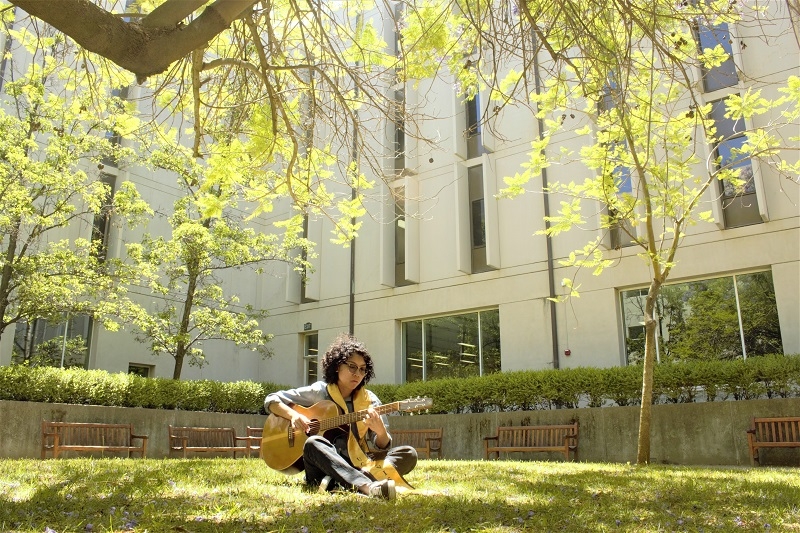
(198, 495)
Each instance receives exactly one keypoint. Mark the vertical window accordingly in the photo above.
(477, 218)
(720, 318)
(399, 131)
(304, 298)
(102, 220)
(724, 75)
(311, 358)
(400, 239)
(114, 137)
(473, 133)
(621, 231)
(452, 346)
(739, 205)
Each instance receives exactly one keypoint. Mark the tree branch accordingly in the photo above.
(141, 48)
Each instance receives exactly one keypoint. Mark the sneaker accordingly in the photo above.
(382, 489)
(323, 485)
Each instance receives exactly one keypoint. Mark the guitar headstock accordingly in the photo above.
(415, 404)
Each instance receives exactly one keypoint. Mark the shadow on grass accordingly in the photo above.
(204, 495)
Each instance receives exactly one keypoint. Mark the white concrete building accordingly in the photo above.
(456, 282)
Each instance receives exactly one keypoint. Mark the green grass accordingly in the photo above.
(198, 495)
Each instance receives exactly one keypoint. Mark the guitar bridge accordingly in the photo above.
(290, 436)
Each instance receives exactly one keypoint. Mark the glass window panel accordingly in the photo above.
(477, 216)
(727, 151)
(700, 320)
(455, 346)
(399, 130)
(760, 324)
(412, 341)
(726, 126)
(451, 347)
(478, 224)
(725, 74)
(399, 232)
(474, 144)
(473, 116)
(311, 358)
(490, 341)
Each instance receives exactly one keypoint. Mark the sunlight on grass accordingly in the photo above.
(243, 495)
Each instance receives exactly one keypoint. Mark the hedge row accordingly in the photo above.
(773, 376)
(98, 387)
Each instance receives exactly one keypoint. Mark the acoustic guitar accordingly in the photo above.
(282, 444)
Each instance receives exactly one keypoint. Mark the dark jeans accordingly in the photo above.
(321, 459)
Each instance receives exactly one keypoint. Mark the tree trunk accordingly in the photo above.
(182, 342)
(643, 453)
(5, 276)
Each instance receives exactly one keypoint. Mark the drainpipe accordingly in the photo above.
(353, 262)
(551, 281)
(353, 159)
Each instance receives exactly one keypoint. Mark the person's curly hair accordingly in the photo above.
(343, 347)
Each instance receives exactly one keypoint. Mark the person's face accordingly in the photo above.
(352, 372)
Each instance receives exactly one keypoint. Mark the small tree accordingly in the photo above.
(209, 236)
(48, 143)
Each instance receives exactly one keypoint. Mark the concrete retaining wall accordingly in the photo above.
(702, 433)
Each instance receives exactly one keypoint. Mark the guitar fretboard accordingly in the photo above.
(349, 418)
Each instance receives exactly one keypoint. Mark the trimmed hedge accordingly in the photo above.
(772, 376)
(98, 387)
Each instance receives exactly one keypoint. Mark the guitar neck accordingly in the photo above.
(349, 418)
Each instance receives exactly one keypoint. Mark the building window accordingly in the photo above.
(739, 205)
(473, 133)
(61, 344)
(304, 292)
(400, 238)
(621, 232)
(713, 319)
(723, 75)
(452, 346)
(399, 140)
(112, 136)
(477, 218)
(311, 358)
(144, 371)
(102, 220)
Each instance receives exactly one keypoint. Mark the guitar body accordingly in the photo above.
(282, 445)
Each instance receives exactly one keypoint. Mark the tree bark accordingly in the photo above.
(146, 47)
(643, 448)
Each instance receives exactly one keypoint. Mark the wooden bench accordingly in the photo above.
(209, 440)
(60, 437)
(773, 432)
(255, 434)
(425, 441)
(561, 438)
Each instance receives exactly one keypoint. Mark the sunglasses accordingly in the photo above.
(355, 369)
